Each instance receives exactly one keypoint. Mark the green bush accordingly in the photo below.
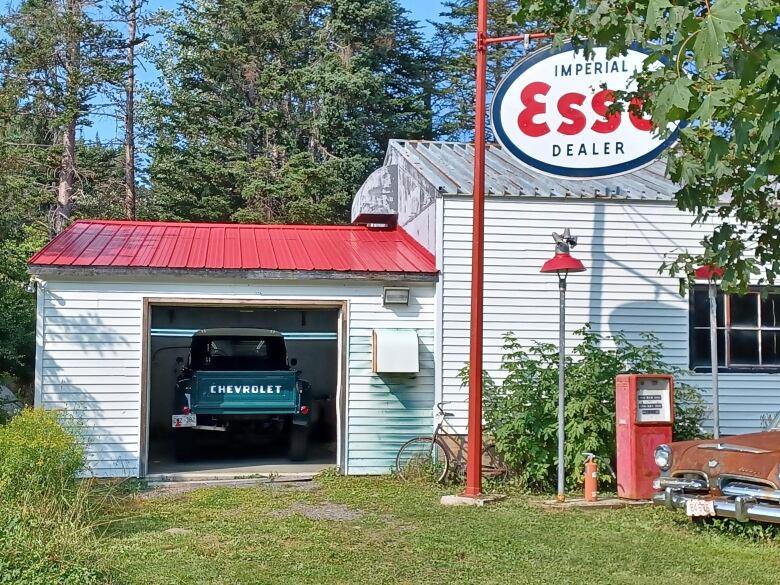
(521, 413)
(46, 535)
(39, 457)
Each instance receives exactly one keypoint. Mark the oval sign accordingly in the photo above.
(550, 112)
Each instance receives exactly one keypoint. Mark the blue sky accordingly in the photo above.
(423, 10)
(108, 129)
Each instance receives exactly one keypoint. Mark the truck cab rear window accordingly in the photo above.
(238, 353)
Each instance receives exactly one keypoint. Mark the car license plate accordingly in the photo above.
(184, 420)
(699, 508)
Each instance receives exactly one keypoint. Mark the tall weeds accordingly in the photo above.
(47, 515)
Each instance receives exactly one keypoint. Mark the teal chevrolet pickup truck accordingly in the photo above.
(239, 380)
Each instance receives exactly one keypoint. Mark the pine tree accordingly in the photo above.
(275, 111)
(56, 58)
(454, 47)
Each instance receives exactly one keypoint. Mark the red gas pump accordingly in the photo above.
(644, 415)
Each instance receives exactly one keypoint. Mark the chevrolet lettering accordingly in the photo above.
(245, 389)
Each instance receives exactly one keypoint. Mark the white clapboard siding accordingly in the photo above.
(89, 362)
(622, 244)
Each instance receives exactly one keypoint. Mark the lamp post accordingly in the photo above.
(711, 274)
(562, 264)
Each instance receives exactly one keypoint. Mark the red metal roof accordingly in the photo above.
(139, 244)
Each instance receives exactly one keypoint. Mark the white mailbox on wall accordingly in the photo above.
(395, 351)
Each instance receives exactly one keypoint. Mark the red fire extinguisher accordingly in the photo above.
(591, 478)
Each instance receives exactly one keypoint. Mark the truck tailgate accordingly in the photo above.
(245, 393)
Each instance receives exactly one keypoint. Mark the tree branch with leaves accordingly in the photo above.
(721, 79)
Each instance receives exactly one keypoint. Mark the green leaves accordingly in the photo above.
(721, 76)
(521, 412)
(724, 17)
(675, 95)
(655, 12)
(773, 64)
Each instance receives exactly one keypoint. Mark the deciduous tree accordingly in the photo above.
(720, 76)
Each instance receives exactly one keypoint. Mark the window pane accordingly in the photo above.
(770, 348)
(744, 347)
(770, 311)
(701, 307)
(700, 348)
(744, 311)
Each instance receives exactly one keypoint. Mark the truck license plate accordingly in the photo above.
(699, 508)
(184, 420)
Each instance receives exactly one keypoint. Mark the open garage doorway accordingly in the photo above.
(234, 335)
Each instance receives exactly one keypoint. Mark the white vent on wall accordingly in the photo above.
(396, 351)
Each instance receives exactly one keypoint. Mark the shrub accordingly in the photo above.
(39, 456)
(46, 535)
(522, 412)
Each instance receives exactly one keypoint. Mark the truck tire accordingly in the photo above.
(183, 448)
(299, 442)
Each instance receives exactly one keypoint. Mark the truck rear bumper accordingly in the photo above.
(212, 421)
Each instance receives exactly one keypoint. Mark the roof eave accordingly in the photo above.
(72, 272)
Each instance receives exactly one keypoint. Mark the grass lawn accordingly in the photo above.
(378, 530)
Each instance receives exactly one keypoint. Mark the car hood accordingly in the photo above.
(754, 455)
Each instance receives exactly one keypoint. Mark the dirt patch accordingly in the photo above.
(325, 511)
(176, 488)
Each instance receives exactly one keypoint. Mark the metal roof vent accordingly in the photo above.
(376, 202)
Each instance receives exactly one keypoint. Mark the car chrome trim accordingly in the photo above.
(726, 478)
(698, 472)
(683, 483)
(741, 505)
(740, 508)
(740, 489)
(733, 447)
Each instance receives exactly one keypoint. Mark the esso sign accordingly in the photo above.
(550, 112)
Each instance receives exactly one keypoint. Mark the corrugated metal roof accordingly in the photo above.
(449, 167)
(95, 243)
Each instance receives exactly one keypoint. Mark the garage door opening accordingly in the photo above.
(254, 389)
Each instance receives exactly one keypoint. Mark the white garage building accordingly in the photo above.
(109, 291)
(112, 295)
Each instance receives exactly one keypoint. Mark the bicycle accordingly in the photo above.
(433, 457)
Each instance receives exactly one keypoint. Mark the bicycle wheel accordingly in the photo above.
(493, 466)
(422, 458)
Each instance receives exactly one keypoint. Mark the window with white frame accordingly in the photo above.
(748, 329)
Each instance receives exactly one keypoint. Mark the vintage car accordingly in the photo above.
(732, 477)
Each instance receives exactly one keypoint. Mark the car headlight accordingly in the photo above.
(663, 457)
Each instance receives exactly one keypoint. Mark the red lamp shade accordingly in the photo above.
(563, 262)
(708, 272)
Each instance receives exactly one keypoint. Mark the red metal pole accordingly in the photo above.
(474, 453)
(514, 38)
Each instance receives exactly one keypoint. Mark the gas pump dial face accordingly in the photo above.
(653, 401)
